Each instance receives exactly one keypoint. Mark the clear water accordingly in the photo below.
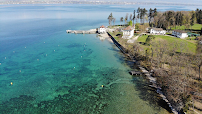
(56, 72)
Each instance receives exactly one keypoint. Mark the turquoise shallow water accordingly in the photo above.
(56, 72)
(64, 73)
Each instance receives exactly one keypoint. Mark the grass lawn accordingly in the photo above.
(194, 27)
(114, 35)
(190, 44)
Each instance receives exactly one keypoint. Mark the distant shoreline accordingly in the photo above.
(98, 3)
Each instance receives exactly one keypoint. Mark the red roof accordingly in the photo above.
(102, 26)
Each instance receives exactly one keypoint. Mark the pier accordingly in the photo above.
(92, 31)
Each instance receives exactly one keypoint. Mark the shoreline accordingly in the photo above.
(152, 80)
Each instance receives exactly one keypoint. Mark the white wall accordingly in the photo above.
(128, 34)
(179, 35)
(152, 31)
(101, 30)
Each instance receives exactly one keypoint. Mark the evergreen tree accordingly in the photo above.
(192, 18)
(121, 19)
(133, 17)
(150, 16)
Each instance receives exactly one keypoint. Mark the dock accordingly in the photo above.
(92, 31)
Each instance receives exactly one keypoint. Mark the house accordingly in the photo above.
(157, 31)
(179, 34)
(128, 32)
(102, 29)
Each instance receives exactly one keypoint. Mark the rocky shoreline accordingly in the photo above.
(150, 78)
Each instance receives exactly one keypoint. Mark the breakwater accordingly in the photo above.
(117, 44)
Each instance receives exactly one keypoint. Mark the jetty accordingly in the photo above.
(117, 44)
(91, 31)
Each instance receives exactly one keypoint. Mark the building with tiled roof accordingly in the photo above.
(128, 32)
(102, 29)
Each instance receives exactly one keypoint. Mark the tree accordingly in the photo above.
(130, 23)
(138, 17)
(186, 19)
(179, 18)
(198, 61)
(126, 18)
(150, 16)
(138, 13)
(155, 12)
(110, 18)
(168, 16)
(114, 19)
(192, 20)
(137, 26)
(199, 16)
(198, 57)
(149, 38)
(144, 14)
(121, 19)
(133, 17)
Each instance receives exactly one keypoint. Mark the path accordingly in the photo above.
(132, 40)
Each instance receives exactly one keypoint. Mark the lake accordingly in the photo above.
(55, 72)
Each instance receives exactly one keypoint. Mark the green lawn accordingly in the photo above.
(142, 38)
(115, 35)
(194, 27)
(191, 45)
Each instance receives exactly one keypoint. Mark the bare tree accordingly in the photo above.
(126, 18)
(131, 16)
(198, 61)
(110, 18)
(114, 19)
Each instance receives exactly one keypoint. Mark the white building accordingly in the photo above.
(102, 29)
(128, 32)
(179, 34)
(157, 31)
